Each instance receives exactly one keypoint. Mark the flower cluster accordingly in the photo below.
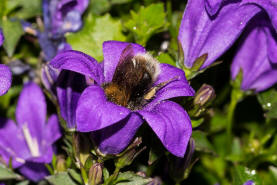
(98, 116)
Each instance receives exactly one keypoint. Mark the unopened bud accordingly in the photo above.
(127, 156)
(155, 181)
(95, 174)
(204, 96)
(81, 145)
(60, 164)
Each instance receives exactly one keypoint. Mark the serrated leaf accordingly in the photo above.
(130, 178)
(96, 30)
(60, 178)
(76, 176)
(243, 174)
(6, 173)
(201, 142)
(273, 173)
(146, 22)
(12, 31)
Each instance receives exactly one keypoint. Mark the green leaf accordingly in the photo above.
(268, 100)
(242, 174)
(96, 30)
(60, 178)
(201, 142)
(26, 182)
(76, 176)
(197, 122)
(130, 178)
(146, 22)
(6, 173)
(273, 173)
(12, 31)
(166, 58)
(24, 9)
(99, 6)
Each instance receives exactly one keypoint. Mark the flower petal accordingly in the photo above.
(70, 85)
(201, 34)
(112, 51)
(113, 139)
(52, 129)
(252, 58)
(34, 171)
(95, 112)
(1, 37)
(213, 6)
(14, 148)
(5, 79)
(31, 111)
(171, 124)
(179, 86)
(250, 182)
(78, 62)
(271, 44)
(270, 6)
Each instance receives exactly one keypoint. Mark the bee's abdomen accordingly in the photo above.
(116, 94)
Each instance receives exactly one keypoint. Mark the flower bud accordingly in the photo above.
(204, 96)
(127, 156)
(95, 174)
(155, 181)
(61, 163)
(81, 146)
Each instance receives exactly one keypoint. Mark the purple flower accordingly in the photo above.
(61, 16)
(113, 125)
(5, 79)
(212, 26)
(32, 139)
(256, 55)
(5, 73)
(250, 182)
(1, 37)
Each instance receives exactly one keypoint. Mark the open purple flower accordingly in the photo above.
(212, 26)
(32, 139)
(114, 120)
(5, 73)
(256, 55)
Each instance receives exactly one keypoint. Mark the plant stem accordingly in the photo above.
(236, 96)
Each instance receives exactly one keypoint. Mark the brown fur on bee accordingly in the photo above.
(133, 77)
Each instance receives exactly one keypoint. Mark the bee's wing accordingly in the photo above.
(124, 65)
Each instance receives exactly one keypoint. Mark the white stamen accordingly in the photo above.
(31, 142)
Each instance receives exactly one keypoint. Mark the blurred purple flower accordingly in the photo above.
(31, 144)
(113, 125)
(212, 26)
(257, 55)
(61, 16)
(250, 182)
(1, 37)
(5, 73)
